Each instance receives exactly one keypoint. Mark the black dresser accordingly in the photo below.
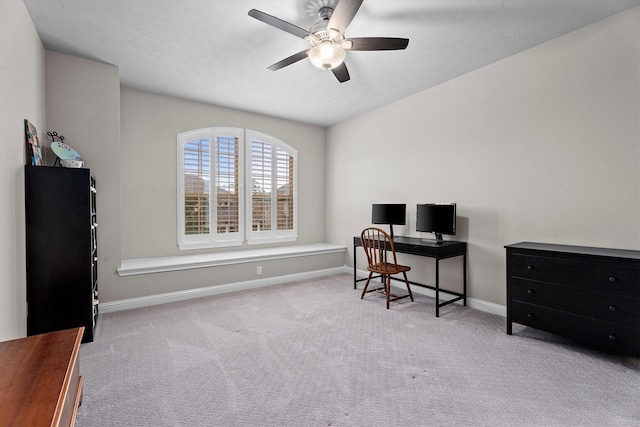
(588, 294)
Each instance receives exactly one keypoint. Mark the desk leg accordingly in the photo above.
(354, 268)
(437, 287)
(464, 278)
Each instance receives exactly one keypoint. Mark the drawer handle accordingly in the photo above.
(612, 308)
(530, 267)
(612, 279)
(530, 291)
(612, 337)
(530, 315)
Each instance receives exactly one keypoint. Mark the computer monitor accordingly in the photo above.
(389, 213)
(437, 218)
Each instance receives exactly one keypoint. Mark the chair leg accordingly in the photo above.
(366, 285)
(407, 282)
(388, 290)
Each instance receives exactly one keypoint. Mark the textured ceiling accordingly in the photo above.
(212, 51)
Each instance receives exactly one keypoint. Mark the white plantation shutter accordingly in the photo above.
(272, 214)
(196, 164)
(261, 165)
(227, 185)
(213, 209)
(209, 202)
(285, 190)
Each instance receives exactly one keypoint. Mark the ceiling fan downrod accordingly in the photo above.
(325, 13)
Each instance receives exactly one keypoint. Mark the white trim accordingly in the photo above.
(108, 307)
(487, 307)
(129, 267)
(208, 244)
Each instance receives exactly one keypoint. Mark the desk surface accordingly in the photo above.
(425, 247)
(40, 384)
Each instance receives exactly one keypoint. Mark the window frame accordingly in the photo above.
(245, 138)
(213, 238)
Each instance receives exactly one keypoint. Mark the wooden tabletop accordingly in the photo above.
(39, 381)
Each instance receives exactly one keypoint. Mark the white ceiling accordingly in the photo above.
(212, 51)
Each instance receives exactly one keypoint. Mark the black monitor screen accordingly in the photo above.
(388, 213)
(439, 218)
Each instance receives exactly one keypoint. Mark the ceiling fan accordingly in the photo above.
(327, 38)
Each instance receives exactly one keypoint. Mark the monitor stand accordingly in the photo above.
(438, 240)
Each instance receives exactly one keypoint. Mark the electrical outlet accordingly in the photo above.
(259, 270)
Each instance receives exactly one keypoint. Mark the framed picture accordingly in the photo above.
(33, 144)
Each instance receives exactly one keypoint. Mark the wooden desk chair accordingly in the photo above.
(376, 244)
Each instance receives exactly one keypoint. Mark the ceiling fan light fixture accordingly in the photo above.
(327, 55)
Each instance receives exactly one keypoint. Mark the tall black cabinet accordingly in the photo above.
(62, 257)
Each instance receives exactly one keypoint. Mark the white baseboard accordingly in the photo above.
(474, 303)
(487, 307)
(108, 307)
(127, 304)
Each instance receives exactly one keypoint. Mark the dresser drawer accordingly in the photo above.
(600, 305)
(610, 277)
(606, 335)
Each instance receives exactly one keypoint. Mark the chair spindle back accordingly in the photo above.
(376, 242)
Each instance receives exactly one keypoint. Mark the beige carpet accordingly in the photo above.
(311, 353)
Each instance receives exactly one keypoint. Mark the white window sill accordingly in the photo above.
(130, 267)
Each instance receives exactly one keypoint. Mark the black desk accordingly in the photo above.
(428, 248)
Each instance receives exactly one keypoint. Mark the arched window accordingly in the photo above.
(235, 186)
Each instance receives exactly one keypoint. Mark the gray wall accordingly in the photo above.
(83, 104)
(542, 146)
(150, 124)
(22, 64)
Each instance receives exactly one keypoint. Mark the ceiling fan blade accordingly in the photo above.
(377, 43)
(343, 14)
(341, 73)
(278, 23)
(288, 61)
